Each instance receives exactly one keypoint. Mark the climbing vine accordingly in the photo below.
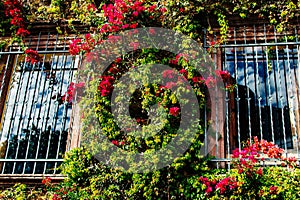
(186, 16)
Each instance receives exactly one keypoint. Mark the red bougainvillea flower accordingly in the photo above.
(135, 45)
(273, 189)
(80, 85)
(68, 96)
(174, 111)
(113, 69)
(163, 10)
(151, 31)
(13, 10)
(106, 85)
(22, 32)
(252, 152)
(32, 56)
(91, 7)
(170, 85)
(198, 79)
(184, 72)
(74, 47)
(210, 81)
(225, 75)
(225, 183)
(168, 74)
(78, 44)
(260, 171)
(118, 60)
(115, 142)
(46, 181)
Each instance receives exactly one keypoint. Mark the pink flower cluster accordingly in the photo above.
(120, 15)
(91, 7)
(178, 57)
(106, 85)
(46, 181)
(174, 111)
(77, 45)
(13, 9)
(246, 162)
(225, 75)
(210, 184)
(251, 153)
(223, 185)
(68, 96)
(32, 56)
(117, 143)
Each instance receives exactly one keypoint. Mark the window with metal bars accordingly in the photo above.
(36, 107)
(264, 65)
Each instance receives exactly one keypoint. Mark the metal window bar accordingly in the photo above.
(237, 91)
(36, 117)
(257, 84)
(265, 66)
(227, 115)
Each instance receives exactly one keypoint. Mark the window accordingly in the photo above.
(35, 107)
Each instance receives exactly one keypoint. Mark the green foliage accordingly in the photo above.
(89, 180)
(186, 16)
(22, 192)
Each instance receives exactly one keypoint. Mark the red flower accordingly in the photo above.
(208, 190)
(151, 31)
(125, 26)
(174, 111)
(46, 181)
(163, 10)
(32, 56)
(80, 85)
(106, 85)
(210, 81)
(118, 60)
(135, 45)
(184, 73)
(198, 79)
(17, 21)
(170, 85)
(135, 13)
(22, 32)
(173, 61)
(91, 7)
(224, 183)
(113, 69)
(151, 8)
(168, 74)
(225, 75)
(74, 47)
(15, 12)
(133, 26)
(273, 189)
(259, 171)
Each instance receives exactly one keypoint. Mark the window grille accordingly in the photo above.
(35, 126)
(265, 66)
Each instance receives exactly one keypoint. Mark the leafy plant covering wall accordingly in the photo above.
(181, 179)
(185, 16)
